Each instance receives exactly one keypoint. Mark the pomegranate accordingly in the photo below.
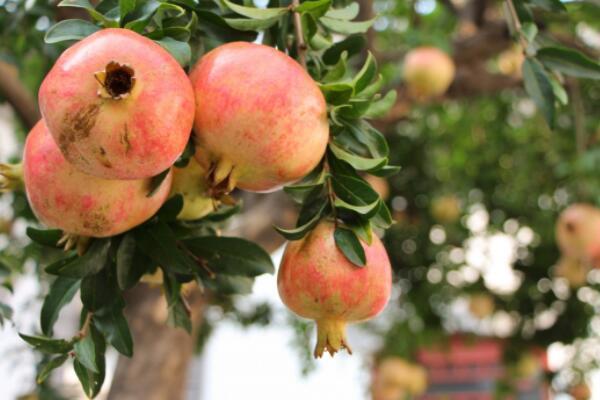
(446, 209)
(573, 270)
(118, 105)
(481, 305)
(428, 72)
(578, 233)
(395, 378)
(80, 204)
(192, 184)
(261, 121)
(316, 281)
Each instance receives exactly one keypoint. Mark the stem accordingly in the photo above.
(517, 23)
(11, 177)
(300, 44)
(330, 192)
(579, 117)
(86, 325)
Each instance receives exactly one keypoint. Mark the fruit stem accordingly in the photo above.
(516, 23)
(86, 325)
(330, 192)
(300, 44)
(11, 177)
(331, 337)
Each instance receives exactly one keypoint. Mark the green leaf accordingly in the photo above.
(256, 13)
(317, 8)
(48, 237)
(159, 243)
(385, 171)
(91, 382)
(351, 45)
(347, 13)
(61, 293)
(251, 24)
(86, 5)
(247, 259)
(125, 7)
(113, 325)
(171, 209)
(338, 71)
(182, 52)
(99, 291)
(538, 86)
(549, 5)
(530, 31)
(90, 263)
(130, 265)
(358, 162)
(142, 16)
(69, 29)
(366, 210)
(569, 62)
(383, 218)
(346, 27)
(559, 91)
(353, 190)
(48, 345)
(362, 228)
(381, 107)
(230, 284)
(350, 246)
(366, 75)
(301, 231)
(357, 107)
(179, 314)
(372, 89)
(5, 313)
(49, 367)
(86, 353)
(337, 93)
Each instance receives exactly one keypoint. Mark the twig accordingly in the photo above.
(86, 325)
(300, 44)
(579, 116)
(517, 23)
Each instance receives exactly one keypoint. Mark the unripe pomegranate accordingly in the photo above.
(316, 281)
(395, 378)
(118, 105)
(511, 60)
(428, 72)
(191, 182)
(573, 270)
(446, 209)
(261, 121)
(481, 305)
(578, 233)
(80, 204)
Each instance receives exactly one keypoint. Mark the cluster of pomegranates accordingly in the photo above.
(118, 111)
(578, 239)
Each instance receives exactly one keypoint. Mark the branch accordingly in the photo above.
(300, 44)
(17, 95)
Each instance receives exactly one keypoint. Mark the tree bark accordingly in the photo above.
(17, 95)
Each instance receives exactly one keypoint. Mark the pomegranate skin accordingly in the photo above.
(316, 281)
(428, 72)
(64, 198)
(136, 136)
(259, 116)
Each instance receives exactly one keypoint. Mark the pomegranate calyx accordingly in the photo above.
(116, 81)
(331, 337)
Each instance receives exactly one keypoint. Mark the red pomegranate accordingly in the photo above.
(428, 72)
(261, 120)
(118, 105)
(316, 281)
(80, 204)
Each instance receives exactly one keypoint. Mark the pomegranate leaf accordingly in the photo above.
(538, 86)
(347, 13)
(61, 293)
(352, 45)
(156, 181)
(90, 263)
(49, 367)
(348, 243)
(346, 27)
(69, 29)
(91, 382)
(99, 291)
(47, 237)
(48, 345)
(112, 323)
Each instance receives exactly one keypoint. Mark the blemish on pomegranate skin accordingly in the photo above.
(78, 126)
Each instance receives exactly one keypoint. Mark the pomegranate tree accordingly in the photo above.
(64, 198)
(118, 105)
(257, 127)
(317, 281)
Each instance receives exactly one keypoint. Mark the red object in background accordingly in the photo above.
(469, 369)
